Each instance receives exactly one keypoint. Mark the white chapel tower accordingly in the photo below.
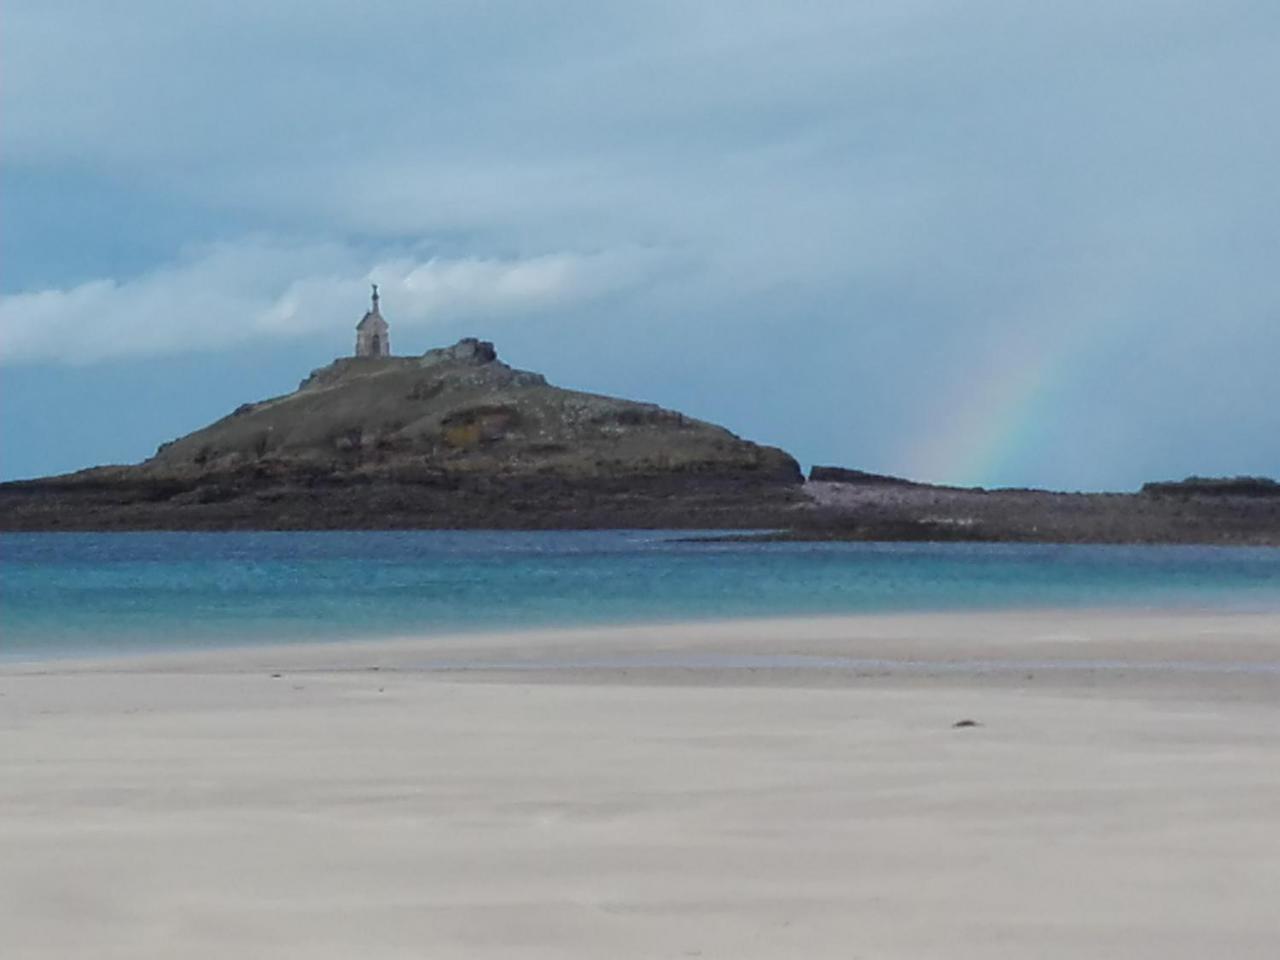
(372, 336)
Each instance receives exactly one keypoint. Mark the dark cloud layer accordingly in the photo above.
(993, 242)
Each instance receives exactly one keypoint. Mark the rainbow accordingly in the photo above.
(987, 423)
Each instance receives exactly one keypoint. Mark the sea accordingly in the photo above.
(70, 594)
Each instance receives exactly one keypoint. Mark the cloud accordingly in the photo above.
(862, 203)
(259, 289)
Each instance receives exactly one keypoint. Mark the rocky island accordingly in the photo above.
(452, 438)
(456, 438)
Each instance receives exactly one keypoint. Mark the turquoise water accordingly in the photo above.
(67, 594)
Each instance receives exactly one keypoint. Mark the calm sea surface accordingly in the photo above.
(67, 594)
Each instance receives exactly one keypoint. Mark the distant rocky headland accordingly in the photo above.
(456, 438)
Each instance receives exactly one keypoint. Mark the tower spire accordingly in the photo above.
(372, 334)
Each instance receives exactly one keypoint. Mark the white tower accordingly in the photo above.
(373, 338)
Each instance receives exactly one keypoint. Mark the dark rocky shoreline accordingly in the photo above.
(302, 503)
(950, 514)
(821, 510)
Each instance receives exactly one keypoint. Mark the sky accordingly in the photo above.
(997, 243)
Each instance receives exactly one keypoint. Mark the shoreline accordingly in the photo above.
(247, 499)
(453, 636)
(1099, 639)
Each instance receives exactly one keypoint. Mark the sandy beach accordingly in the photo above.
(771, 788)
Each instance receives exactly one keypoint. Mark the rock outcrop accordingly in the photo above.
(859, 478)
(854, 505)
(1214, 487)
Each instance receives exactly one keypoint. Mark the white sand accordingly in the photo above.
(191, 807)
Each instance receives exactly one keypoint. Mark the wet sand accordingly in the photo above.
(785, 788)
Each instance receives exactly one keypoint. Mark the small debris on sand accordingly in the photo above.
(965, 723)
